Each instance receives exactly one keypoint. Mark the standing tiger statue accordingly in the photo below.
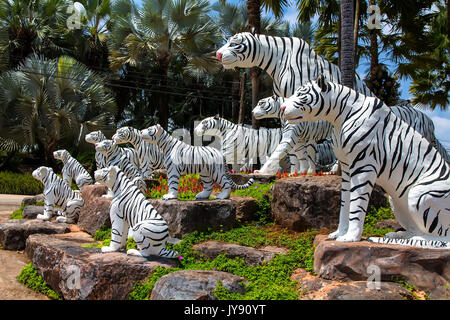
(57, 193)
(181, 158)
(301, 138)
(72, 169)
(150, 157)
(130, 208)
(292, 63)
(116, 157)
(247, 144)
(375, 146)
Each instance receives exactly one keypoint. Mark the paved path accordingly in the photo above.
(11, 262)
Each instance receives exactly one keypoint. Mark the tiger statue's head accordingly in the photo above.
(62, 155)
(41, 172)
(269, 107)
(107, 176)
(94, 137)
(152, 134)
(209, 126)
(122, 135)
(307, 103)
(236, 53)
(105, 146)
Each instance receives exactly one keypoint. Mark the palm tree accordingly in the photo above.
(49, 103)
(33, 26)
(159, 33)
(347, 43)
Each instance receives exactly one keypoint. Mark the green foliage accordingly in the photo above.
(17, 214)
(31, 279)
(270, 281)
(373, 216)
(17, 183)
(261, 192)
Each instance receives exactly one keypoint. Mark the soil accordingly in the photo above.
(12, 262)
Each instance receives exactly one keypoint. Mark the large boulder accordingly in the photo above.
(307, 202)
(80, 273)
(95, 212)
(14, 233)
(184, 217)
(261, 178)
(251, 256)
(315, 288)
(32, 200)
(426, 269)
(194, 285)
(32, 211)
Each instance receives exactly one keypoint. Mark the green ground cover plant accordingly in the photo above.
(30, 278)
(18, 183)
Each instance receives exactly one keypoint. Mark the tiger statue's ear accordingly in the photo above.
(252, 30)
(322, 83)
(217, 116)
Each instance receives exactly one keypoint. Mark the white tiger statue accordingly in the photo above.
(98, 136)
(301, 138)
(130, 208)
(181, 158)
(292, 63)
(57, 193)
(72, 169)
(375, 146)
(150, 156)
(116, 157)
(241, 146)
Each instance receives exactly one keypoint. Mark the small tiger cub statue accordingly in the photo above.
(130, 208)
(57, 193)
(72, 169)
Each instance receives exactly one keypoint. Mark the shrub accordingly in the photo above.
(17, 183)
(31, 279)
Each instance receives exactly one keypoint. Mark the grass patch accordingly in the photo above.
(17, 214)
(263, 196)
(373, 216)
(270, 281)
(18, 183)
(31, 279)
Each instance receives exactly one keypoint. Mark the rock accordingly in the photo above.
(184, 217)
(194, 285)
(14, 233)
(246, 208)
(31, 212)
(389, 223)
(251, 256)
(315, 288)
(95, 212)
(61, 260)
(426, 269)
(160, 173)
(32, 200)
(307, 202)
(257, 177)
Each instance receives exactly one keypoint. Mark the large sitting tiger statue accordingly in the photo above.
(130, 208)
(375, 146)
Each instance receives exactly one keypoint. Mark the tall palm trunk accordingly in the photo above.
(242, 98)
(163, 99)
(355, 30)
(235, 97)
(254, 23)
(347, 43)
(373, 45)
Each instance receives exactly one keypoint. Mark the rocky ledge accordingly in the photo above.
(426, 269)
(312, 202)
(194, 285)
(80, 273)
(14, 233)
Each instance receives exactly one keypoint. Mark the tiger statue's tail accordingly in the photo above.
(412, 242)
(233, 184)
(167, 253)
